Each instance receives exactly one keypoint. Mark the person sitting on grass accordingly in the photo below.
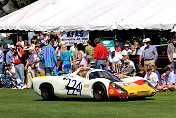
(126, 71)
(169, 82)
(9, 73)
(158, 74)
(152, 77)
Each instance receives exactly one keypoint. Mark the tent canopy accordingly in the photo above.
(66, 15)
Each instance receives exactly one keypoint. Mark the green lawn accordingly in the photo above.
(26, 104)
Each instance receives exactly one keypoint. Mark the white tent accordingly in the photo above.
(66, 15)
(158, 14)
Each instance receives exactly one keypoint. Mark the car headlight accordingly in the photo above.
(118, 88)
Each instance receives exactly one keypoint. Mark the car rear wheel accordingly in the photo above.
(99, 92)
(47, 92)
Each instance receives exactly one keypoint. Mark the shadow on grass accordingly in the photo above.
(93, 100)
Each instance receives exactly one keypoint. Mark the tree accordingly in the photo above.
(13, 5)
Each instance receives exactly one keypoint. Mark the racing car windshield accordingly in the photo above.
(104, 74)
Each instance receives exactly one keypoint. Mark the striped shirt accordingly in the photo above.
(48, 55)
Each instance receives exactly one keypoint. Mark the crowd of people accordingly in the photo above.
(47, 55)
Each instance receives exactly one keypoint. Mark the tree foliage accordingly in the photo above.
(18, 4)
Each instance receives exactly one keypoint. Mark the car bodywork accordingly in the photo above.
(90, 83)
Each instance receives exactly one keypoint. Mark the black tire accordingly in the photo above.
(47, 92)
(99, 92)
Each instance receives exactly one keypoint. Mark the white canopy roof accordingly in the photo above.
(66, 15)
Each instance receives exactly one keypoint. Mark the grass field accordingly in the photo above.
(26, 104)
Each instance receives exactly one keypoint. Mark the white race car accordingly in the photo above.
(90, 83)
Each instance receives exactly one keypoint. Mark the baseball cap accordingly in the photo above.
(126, 45)
(112, 49)
(146, 40)
(75, 42)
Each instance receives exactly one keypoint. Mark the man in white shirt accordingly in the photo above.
(21, 41)
(151, 77)
(115, 59)
(126, 51)
(141, 50)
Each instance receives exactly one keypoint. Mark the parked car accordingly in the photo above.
(91, 83)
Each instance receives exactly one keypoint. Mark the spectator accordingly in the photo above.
(117, 48)
(151, 77)
(6, 42)
(1, 62)
(74, 54)
(158, 74)
(101, 54)
(30, 67)
(21, 41)
(141, 50)
(115, 60)
(141, 72)
(121, 43)
(171, 52)
(126, 51)
(19, 66)
(65, 59)
(48, 55)
(9, 73)
(58, 50)
(136, 44)
(169, 80)
(125, 57)
(90, 51)
(9, 56)
(82, 57)
(127, 70)
(150, 54)
(40, 65)
(26, 44)
(39, 43)
(133, 50)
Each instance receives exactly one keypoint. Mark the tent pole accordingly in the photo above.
(143, 32)
(115, 35)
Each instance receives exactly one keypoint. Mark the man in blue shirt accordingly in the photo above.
(169, 80)
(48, 55)
(9, 56)
(150, 54)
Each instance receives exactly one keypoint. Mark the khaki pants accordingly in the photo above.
(41, 72)
(148, 63)
(30, 75)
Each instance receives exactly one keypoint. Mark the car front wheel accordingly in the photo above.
(99, 92)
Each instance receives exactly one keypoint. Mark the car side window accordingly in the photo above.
(83, 73)
(93, 75)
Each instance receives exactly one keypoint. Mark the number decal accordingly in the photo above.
(68, 85)
(126, 84)
(78, 89)
(72, 85)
